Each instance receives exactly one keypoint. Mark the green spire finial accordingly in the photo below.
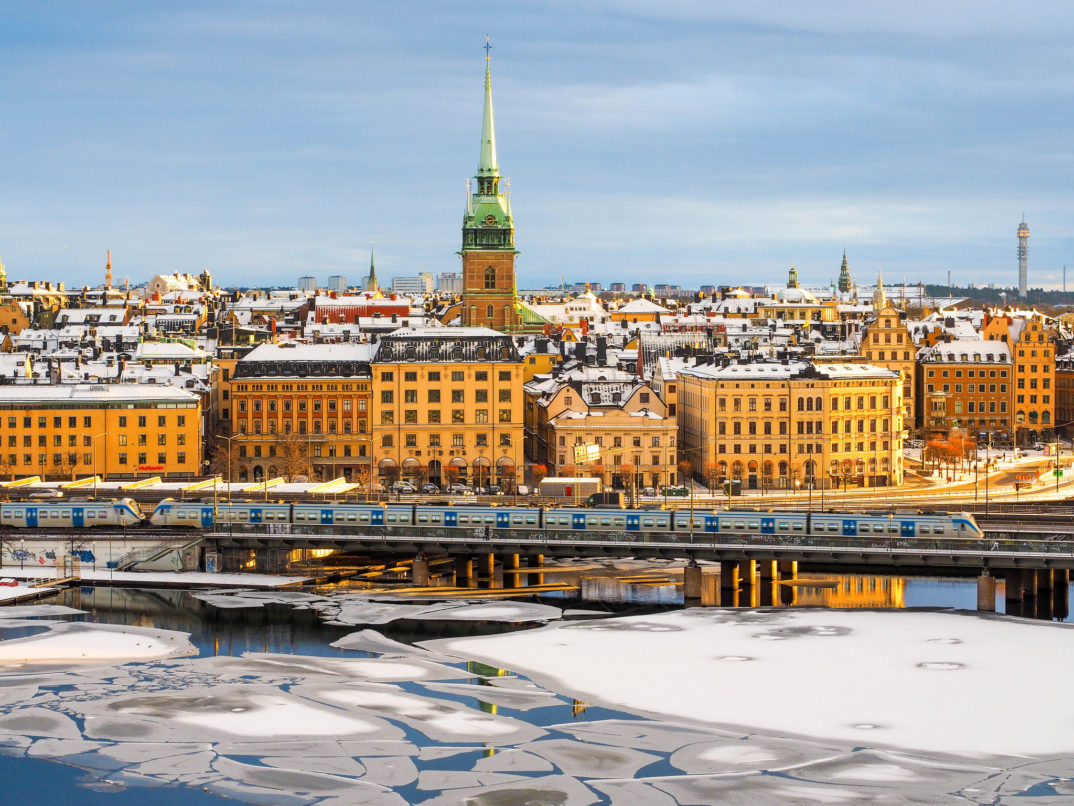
(488, 164)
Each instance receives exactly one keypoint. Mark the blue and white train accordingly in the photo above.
(70, 514)
(721, 522)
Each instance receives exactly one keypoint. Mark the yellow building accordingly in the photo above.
(117, 430)
(447, 407)
(1033, 367)
(636, 449)
(300, 411)
(886, 343)
(791, 425)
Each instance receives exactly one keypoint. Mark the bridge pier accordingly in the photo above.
(986, 592)
(464, 571)
(535, 561)
(487, 569)
(510, 564)
(1044, 594)
(1061, 594)
(1013, 577)
(1029, 586)
(709, 591)
(691, 581)
(420, 571)
(769, 570)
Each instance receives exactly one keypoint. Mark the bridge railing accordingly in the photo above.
(872, 543)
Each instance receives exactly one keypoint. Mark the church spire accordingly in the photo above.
(487, 165)
(3, 277)
(108, 272)
(371, 282)
(844, 274)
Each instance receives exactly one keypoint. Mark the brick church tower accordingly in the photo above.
(488, 238)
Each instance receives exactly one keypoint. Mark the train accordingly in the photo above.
(572, 519)
(71, 514)
(484, 519)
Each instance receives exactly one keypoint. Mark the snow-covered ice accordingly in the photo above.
(865, 677)
(86, 643)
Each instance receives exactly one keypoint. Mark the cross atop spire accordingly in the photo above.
(487, 165)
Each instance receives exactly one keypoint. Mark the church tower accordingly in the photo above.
(488, 237)
(108, 272)
(845, 282)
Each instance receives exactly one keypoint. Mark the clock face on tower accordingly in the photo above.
(490, 220)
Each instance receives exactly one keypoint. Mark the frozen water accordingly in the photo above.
(880, 671)
(85, 643)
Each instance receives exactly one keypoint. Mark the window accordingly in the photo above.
(434, 377)
(458, 396)
(480, 396)
(434, 395)
(387, 396)
(505, 440)
(387, 377)
(434, 440)
(481, 376)
(143, 458)
(490, 281)
(410, 396)
(505, 395)
(162, 458)
(457, 416)
(162, 439)
(123, 458)
(410, 440)
(410, 377)
(481, 440)
(410, 416)
(386, 441)
(505, 375)
(481, 415)
(387, 417)
(123, 420)
(457, 441)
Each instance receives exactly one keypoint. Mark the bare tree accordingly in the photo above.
(293, 454)
(219, 455)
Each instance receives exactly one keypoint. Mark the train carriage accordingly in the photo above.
(70, 514)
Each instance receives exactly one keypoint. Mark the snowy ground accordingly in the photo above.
(936, 681)
(8, 594)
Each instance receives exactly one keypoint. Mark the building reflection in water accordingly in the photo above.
(851, 591)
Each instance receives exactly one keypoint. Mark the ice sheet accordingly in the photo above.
(84, 643)
(875, 678)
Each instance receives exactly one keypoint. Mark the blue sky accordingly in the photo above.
(693, 142)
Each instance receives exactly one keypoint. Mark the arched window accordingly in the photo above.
(488, 312)
(490, 278)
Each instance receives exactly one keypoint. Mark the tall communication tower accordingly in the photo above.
(1023, 257)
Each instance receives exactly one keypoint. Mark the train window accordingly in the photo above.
(530, 519)
(423, 518)
(243, 516)
(923, 529)
(390, 517)
(893, 529)
(351, 516)
(784, 525)
(620, 522)
(797, 526)
(647, 522)
(300, 516)
(364, 518)
(404, 518)
(605, 521)
(740, 524)
(661, 522)
(181, 516)
(489, 519)
(754, 525)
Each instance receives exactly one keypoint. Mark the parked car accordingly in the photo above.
(430, 489)
(460, 489)
(494, 489)
(649, 491)
(404, 488)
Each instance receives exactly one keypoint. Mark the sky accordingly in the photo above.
(694, 142)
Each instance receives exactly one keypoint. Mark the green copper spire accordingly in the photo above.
(844, 274)
(487, 165)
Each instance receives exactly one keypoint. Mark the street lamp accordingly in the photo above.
(93, 442)
(228, 441)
